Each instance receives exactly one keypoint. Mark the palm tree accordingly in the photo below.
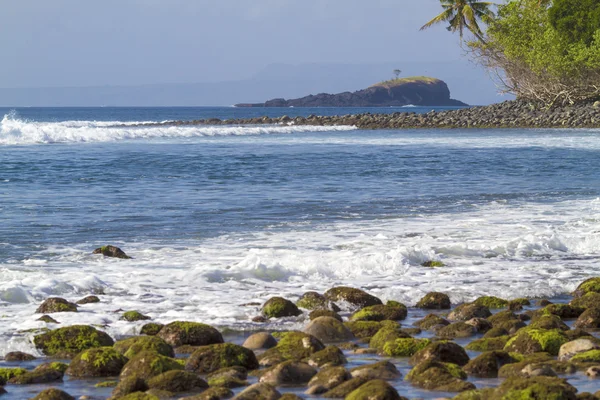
(463, 14)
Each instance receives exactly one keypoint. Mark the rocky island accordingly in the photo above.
(418, 91)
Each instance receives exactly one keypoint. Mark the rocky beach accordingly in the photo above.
(352, 346)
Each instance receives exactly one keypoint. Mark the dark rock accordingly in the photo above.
(448, 352)
(590, 318)
(151, 329)
(375, 390)
(213, 393)
(465, 312)
(431, 321)
(133, 316)
(324, 313)
(387, 333)
(88, 300)
(327, 379)
(216, 356)
(529, 341)
(132, 346)
(48, 319)
(355, 297)
(179, 333)
(111, 251)
(488, 344)
(435, 301)
(328, 330)
(344, 389)
(491, 302)
(456, 330)
(18, 356)
(434, 375)
(54, 305)
(540, 387)
(53, 394)
(363, 329)
(289, 373)
(292, 346)
(177, 381)
(591, 285)
(315, 301)
(392, 311)
(278, 307)
(129, 385)
(38, 375)
(259, 391)
(488, 364)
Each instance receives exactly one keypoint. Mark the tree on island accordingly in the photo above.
(542, 50)
(397, 73)
(463, 15)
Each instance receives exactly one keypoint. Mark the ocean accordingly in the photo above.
(219, 217)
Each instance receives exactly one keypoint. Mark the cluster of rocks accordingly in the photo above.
(508, 114)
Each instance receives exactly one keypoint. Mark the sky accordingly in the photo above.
(133, 42)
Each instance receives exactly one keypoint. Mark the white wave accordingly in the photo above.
(15, 131)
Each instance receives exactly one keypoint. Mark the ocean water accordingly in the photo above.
(217, 218)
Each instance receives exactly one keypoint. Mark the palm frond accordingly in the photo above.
(444, 16)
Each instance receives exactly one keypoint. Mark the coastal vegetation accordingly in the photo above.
(547, 51)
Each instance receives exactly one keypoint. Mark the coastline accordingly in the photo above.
(508, 114)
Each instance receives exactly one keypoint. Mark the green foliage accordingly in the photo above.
(576, 21)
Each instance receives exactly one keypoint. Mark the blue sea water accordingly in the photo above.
(216, 217)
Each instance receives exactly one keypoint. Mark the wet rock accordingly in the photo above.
(151, 329)
(324, 313)
(111, 251)
(7, 373)
(548, 322)
(381, 370)
(433, 264)
(177, 381)
(387, 333)
(465, 312)
(260, 340)
(216, 356)
(289, 373)
(511, 326)
(88, 300)
(344, 389)
(133, 316)
(589, 319)
(443, 351)
(213, 393)
(538, 361)
(456, 330)
(540, 387)
(330, 356)
(591, 285)
(149, 395)
(589, 300)
(48, 319)
(537, 370)
(488, 344)
(481, 325)
(406, 347)
(54, 305)
(574, 347)
(71, 340)
(292, 346)
(316, 301)
(259, 391)
(179, 333)
(502, 316)
(495, 332)
(435, 301)
(148, 364)
(392, 311)
(237, 372)
(587, 356)
(375, 390)
(129, 385)
(529, 341)
(356, 298)
(593, 372)
(290, 396)
(278, 307)
(488, 364)
(328, 330)
(96, 362)
(491, 302)
(431, 321)
(327, 379)
(564, 311)
(18, 356)
(53, 394)
(434, 375)
(135, 345)
(42, 374)
(363, 329)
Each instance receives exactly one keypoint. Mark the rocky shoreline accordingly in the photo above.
(491, 348)
(508, 114)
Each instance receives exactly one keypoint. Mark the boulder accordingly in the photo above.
(111, 251)
(495, 332)
(97, 362)
(404, 347)
(539, 387)
(289, 373)
(262, 391)
(574, 347)
(344, 389)
(488, 344)
(435, 301)
(53, 394)
(548, 322)
(132, 346)
(491, 302)
(591, 285)
(387, 334)
(151, 329)
(376, 389)
(292, 346)
(356, 298)
(213, 393)
(133, 316)
(44, 373)
(18, 356)
(481, 325)
(589, 319)
(563, 311)
(324, 313)
(329, 330)
(465, 312)
(529, 341)
(260, 340)
(180, 333)
(589, 300)
(444, 377)
(363, 329)
(456, 330)
(392, 311)
(148, 364)
(327, 379)
(54, 305)
(587, 356)
(380, 370)
(88, 300)
(216, 356)
(70, 340)
(129, 385)
(177, 381)
(431, 321)
(278, 307)
(315, 301)
(593, 372)
(488, 364)
(442, 351)
(330, 356)
(8, 373)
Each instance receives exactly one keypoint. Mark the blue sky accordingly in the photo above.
(131, 42)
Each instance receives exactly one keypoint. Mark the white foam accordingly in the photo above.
(15, 131)
(504, 249)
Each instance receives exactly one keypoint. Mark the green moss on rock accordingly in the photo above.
(363, 329)
(148, 364)
(538, 387)
(443, 351)
(101, 361)
(180, 333)
(435, 301)
(488, 344)
(7, 373)
(133, 316)
(404, 347)
(278, 307)
(588, 356)
(352, 296)
(315, 301)
(491, 302)
(53, 394)
(387, 334)
(71, 339)
(433, 264)
(374, 389)
(434, 375)
(591, 285)
(177, 381)
(151, 329)
(293, 345)
(393, 312)
(529, 341)
(132, 346)
(56, 304)
(330, 355)
(214, 357)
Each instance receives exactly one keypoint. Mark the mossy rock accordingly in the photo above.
(140, 396)
(352, 296)
(213, 393)
(132, 346)
(326, 379)
(380, 370)
(435, 301)
(588, 356)
(289, 373)
(376, 389)
(430, 321)
(316, 301)
(53, 394)
(151, 329)
(468, 311)
(538, 387)
(589, 300)
(330, 355)
(387, 334)
(180, 333)
(278, 307)
(549, 322)
(56, 304)
(88, 300)
(47, 319)
(148, 364)
(480, 394)
(491, 302)
(433, 264)
(7, 373)
(589, 319)
(344, 389)
(391, 311)
(511, 326)
(177, 381)
(434, 375)
(262, 391)
(14, 356)
(227, 382)
(488, 344)
(216, 356)
(71, 340)
(488, 364)
(563, 311)
(329, 330)
(44, 373)
(106, 384)
(537, 359)
(111, 251)
(100, 361)
(131, 384)
(404, 347)
(591, 285)
(324, 313)
(495, 332)
(363, 329)
(293, 345)
(443, 351)
(502, 316)
(529, 341)
(133, 316)
(456, 330)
